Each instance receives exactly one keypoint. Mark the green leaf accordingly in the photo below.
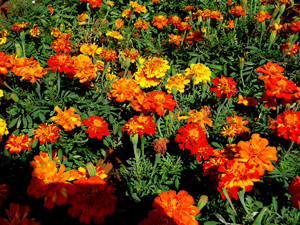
(42, 117)
(211, 223)
(217, 67)
(13, 122)
(60, 155)
(29, 121)
(24, 122)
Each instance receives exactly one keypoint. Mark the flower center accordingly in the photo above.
(194, 133)
(97, 123)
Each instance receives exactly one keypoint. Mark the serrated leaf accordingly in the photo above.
(24, 122)
(13, 122)
(42, 117)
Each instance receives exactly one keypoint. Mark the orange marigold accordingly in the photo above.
(175, 20)
(141, 24)
(295, 26)
(66, 119)
(256, 152)
(224, 86)
(16, 143)
(127, 13)
(61, 44)
(55, 32)
(43, 158)
(189, 7)
(288, 125)
(194, 36)
(140, 125)
(17, 215)
(285, 47)
(91, 49)
(247, 101)
(46, 132)
(3, 192)
(109, 54)
(230, 24)
(4, 62)
(132, 54)
(176, 39)
(93, 198)
(119, 23)
(235, 125)
(199, 117)
(238, 11)
(96, 127)
(261, 16)
(61, 62)
(84, 68)
(32, 73)
(270, 70)
(184, 26)
(124, 89)
(83, 18)
(179, 81)
(177, 206)
(114, 34)
(52, 182)
(18, 64)
(160, 21)
(35, 30)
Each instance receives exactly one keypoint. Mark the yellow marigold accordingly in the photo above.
(3, 128)
(1, 93)
(3, 34)
(84, 68)
(156, 67)
(114, 34)
(66, 119)
(179, 81)
(199, 117)
(201, 72)
(90, 49)
(55, 32)
(110, 3)
(276, 27)
(127, 13)
(256, 152)
(35, 30)
(100, 66)
(124, 89)
(132, 54)
(119, 23)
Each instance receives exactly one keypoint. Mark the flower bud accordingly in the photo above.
(134, 138)
(91, 169)
(272, 36)
(127, 62)
(160, 145)
(22, 35)
(275, 12)
(18, 50)
(14, 97)
(202, 202)
(244, 4)
(241, 63)
(174, 91)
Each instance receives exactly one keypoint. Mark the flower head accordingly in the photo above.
(16, 143)
(141, 24)
(84, 68)
(224, 86)
(32, 73)
(35, 30)
(3, 128)
(199, 117)
(66, 119)
(55, 32)
(83, 172)
(19, 26)
(46, 132)
(230, 24)
(294, 191)
(96, 127)
(44, 158)
(110, 3)
(119, 23)
(160, 21)
(61, 62)
(201, 72)
(160, 145)
(3, 34)
(235, 125)
(261, 16)
(175, 20)
(176, 39)
(237, 10)
(3, 192)
(127, 13)
(114, 34)
(83, 18)
(194, 36)
(61, 44)
(270, 70)
(109, 54)
(132, 54)
(247, 101)
(179, 81)
(286, 46)
(140, 125)
(90, 49)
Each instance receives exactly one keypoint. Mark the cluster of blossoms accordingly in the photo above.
(172, 209)
(141, 24)
(237, 10)
(277, 86)
(205, 14)
(140, 125)
(137, 7)
(237, 166)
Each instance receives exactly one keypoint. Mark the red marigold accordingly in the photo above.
(238, 11)
(158, 101)
(286, 46)
(61, 62)
(95, 3)
(61, 44)
(4, 62)
(224, 86)
(184, 26)
(19, 26)
(288, 125)
(17, 215)
(93, 198)
(175, 20)
(16, 143)
(3, 192)
(109, 54)
(194, 35)
(177, 206)
(193, 137)
(46, 132)
(96, 127)
(295, 26)
(294, 190)
(140, 124)
(261, 16)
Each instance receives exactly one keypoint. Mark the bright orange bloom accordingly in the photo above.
(137, 8)
(93, 198)
(235, 125)
(288, 125)
(158, 101)
(61, 62)
(46, 132)
(156, 1)
(132, 54)
(238, 11)
(93, 3)
(160, 21)
(193, 137)
(261, 16)
(19, 26)
(216, 14)
(175, 20)
(127, 13)
(229, 3)
(179, 81)
(43, 158)
(32, 73)
(61, 44)
(109, 54)
(18, 64)
(176, 39)
(124, 89)
(96, 127)
(284, 1)
(119, 23)
(200, 118)
(138, 103)
(294, 190)
(224, 86)
(16, 143)
(91, 49)
(286, 46)
(35, 30)
(84, 68)
(55, 32)
(270, 70)
(247, 101)
(230, 24)
(52, 182)
(184, 26)
(189, 7)
(177, 206)
(3, 192)
(194, 35)
(83, 172)
(256, 152)
(66, 119)
(17, 216)
(140, 125)
(114, 34)
(4, 62)
(83, 18)
(141, 24)
(201, 72)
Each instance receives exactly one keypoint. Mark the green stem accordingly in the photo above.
(241, 195)
(288, 151)
(157, 157)
(219, 110)
(58, 83)
(158, 126)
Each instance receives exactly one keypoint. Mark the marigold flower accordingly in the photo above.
(140, 125)
(270, 70)
(201, 72)
(280, 87)
(160, 21)
(52, 182)
(55, 32)
(293, 190)
(5, 62)
(193, 137)
(19, 64)
(194, 35)
(137, 8)
(224, 86)
(256, 152)
(137, 104)
(84, 68)
(156, 1)
(82, 18)
(178, 117)
(160, 145)
(93, 198)
(295, 26)
(119, 23)
(288, 125)
(176, 39)
(141, 24)
(32, 73)
(189, 7)
(177, 206)
(235, 125)
(46, 132)
(124, 89)
(127, 13)
(35, 30)
(284, 1)
(16, 143)
(184, 26)
(17, 215)
(19, 26)
(229, 3)
(175, 20)
(230, 24)
(132, 54)
(61, 44)
(96, 127)
(61, 62)
(158, 101)
(3, 34)
(179, 81)
(247, 101)
(109, 54)
(66, 119)
(228, 131)
(200, 118)
(286, 46)
(93, 3)
(114, 34)
(44, 158)
(216, 14)
(3, 192)
(110, 3)
(238, 11)
(83, 172)
(261, 16)
(91, 49)
(3, 129)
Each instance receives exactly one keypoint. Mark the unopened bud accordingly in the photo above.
(174, 91)
(275, 12)
(244, 4)
(160, 145)
(169, 125)
(241, 63)
(127, 62)
(18, 50)
(272, 36)
(22, 35)
(14, 97)
(134, 138)
(91, 169)
(202, 202)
